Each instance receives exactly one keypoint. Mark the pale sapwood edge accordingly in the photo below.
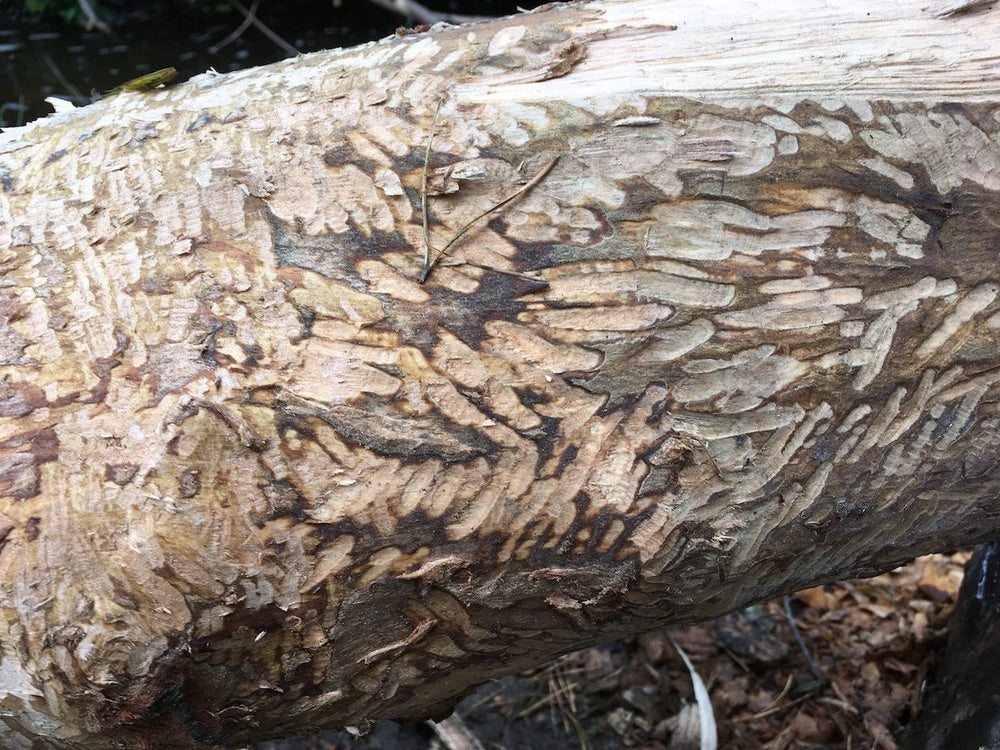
(257, 479)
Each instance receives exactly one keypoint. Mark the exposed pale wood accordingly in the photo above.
(256, 478)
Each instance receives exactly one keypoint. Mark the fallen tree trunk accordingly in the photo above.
(741, 338)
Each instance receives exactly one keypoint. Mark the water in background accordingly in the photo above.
(45, 57)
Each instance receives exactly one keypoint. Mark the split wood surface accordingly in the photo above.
(256, 478)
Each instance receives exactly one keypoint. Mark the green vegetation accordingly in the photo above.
(146, 82)
(70, 11)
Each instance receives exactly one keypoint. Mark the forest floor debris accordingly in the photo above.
(871, 641)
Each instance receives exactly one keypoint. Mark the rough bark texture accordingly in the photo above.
(961, 707)
(257, 478)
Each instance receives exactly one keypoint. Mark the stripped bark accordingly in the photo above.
(256, 478)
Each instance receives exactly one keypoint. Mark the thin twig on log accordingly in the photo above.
(493, 209)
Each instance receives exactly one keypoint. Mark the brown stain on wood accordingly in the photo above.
(763, 349)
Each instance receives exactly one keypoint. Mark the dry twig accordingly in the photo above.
(262, 28)
(416, 11)
(247, 20)
(423, 193)
(93, 20)
(430, 263)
